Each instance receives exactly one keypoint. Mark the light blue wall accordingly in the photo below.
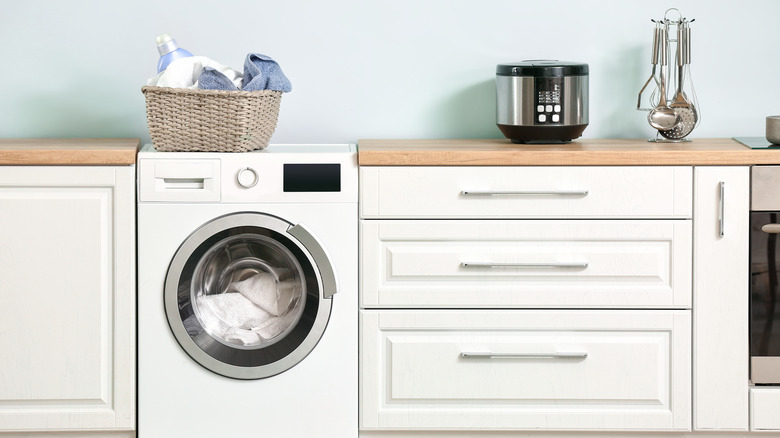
(378, 69)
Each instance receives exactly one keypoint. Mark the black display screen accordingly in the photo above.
(312, 177)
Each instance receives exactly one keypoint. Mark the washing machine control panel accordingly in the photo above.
(278, 174)
(298, 174)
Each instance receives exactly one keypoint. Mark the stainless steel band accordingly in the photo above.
(515, 102)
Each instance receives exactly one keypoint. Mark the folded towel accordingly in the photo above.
(266, 292)
(184, 73)
(263, 73)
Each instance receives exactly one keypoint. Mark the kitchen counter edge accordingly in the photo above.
(68, 151)
(585, 152)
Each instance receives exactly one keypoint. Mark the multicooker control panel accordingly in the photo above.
(549, 100)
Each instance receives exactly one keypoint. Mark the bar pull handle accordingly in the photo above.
(580, 265)
(771, 228)
(524, 193)
(722, 209)
(556, 355)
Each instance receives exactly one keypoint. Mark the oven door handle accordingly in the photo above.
(771, 228)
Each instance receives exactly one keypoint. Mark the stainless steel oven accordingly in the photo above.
(764, 269)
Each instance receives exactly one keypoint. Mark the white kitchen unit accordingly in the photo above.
(67, 312)
(720, 297)
(526, 298)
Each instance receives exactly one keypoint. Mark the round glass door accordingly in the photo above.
(244, 296)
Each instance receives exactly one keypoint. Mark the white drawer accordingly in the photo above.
(490, 263)
(765, 408)
(526, 192)
(554, 370)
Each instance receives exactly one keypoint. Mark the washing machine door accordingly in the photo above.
(248, 295)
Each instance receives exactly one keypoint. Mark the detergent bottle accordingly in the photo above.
(169, 51)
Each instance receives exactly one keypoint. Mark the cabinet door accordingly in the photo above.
(720, 297)
(67, 298)
(525, 369)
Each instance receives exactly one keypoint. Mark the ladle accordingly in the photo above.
(681, 105)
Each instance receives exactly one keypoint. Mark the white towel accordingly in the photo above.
(263, 290)
(230, 310)
(184, 73)
(234, 318)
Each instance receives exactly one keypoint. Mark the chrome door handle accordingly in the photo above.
(771, 228)
(722, 209)
(524, 192)
(556, 355)
(581, 265)
(330, 284)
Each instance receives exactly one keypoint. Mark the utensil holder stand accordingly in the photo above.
(672, 50)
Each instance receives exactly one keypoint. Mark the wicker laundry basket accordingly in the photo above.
(182, 120)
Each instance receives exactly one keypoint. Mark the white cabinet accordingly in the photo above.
(67, 299)
(720, 300)
(525, 369)
(597, 258)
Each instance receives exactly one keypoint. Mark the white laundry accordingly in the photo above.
(230, 310)
(263, 290)
(234, 318)
(241, 336)
(276, 325)
(184, 73)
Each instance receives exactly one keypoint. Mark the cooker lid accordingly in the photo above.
(541, 68)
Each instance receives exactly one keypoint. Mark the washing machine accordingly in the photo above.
(247, 293)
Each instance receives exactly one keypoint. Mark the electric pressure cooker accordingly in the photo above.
(542, 101)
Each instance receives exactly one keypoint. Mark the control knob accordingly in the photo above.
(247, 177)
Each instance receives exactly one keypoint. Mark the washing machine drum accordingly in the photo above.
(248, 295)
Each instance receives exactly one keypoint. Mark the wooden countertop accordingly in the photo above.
(586, 152)
(68, 151)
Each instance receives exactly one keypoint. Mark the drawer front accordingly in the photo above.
(526, 263)
(764, 408)
(525, 369)
(526, 192)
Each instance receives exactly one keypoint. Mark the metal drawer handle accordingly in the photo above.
(771, 228)
(580, 265)
(557, 355)
(722, 209)
(524, 193)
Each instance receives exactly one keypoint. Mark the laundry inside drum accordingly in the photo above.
(248, 291)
